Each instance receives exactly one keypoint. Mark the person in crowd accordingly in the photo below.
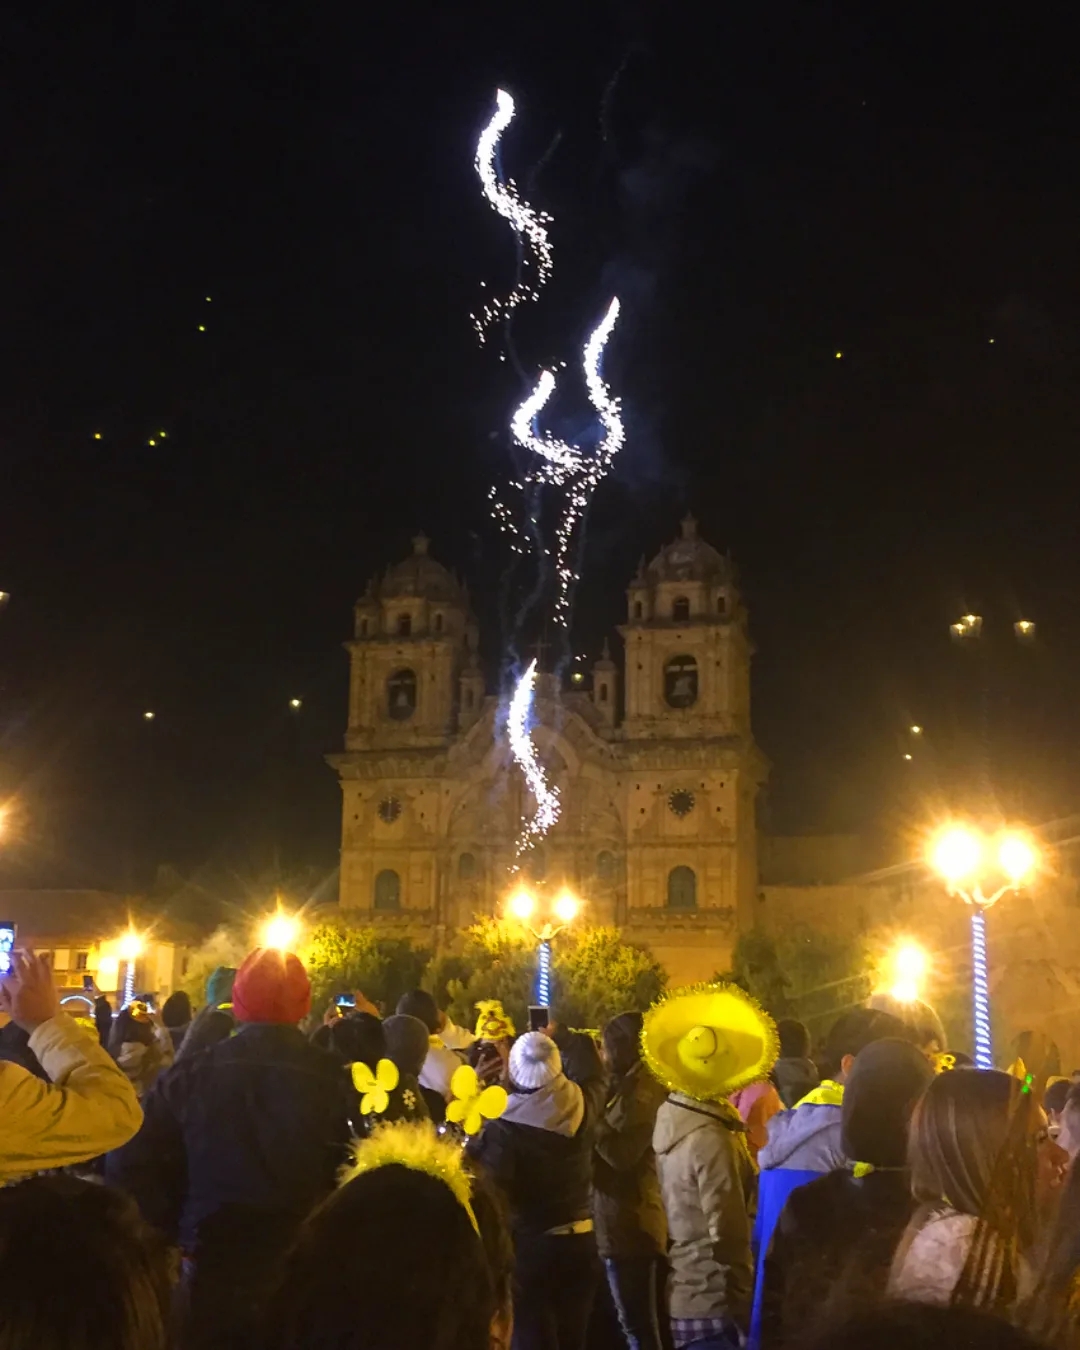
(79, 1268)
(1068, 1126)
(1054, 1099)
(836, 1236)
(757, 1104)
(408, 1043)
(176, 1017)
(411, 1251)
(440, 1063)
(103, 1016)
(982, 1166)
(489, 1053)
(141, 1047)
(539, 1153)
(361, 1038)
(1053, 1310)
(794, 1073)
(239, 1143)
(15, 1049)
(86, 1107)
(922, 1026)
(215, 1021)
(703, 1044)
(631, 1229)
(807, 1141)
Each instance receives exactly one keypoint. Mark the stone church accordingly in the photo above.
(656, 765)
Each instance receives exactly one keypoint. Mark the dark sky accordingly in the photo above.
(765, 186)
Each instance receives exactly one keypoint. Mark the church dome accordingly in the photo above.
(688, 558)
(420, 575)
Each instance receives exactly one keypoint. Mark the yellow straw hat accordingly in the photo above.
(708, 1040)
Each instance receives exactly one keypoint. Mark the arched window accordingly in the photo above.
(404, 625)
(682, 888)
(637, 609)
(438, 623)
(605, 865)
(603, 693)
(466, 866)
(363, 627)
(721, 604)
(387, 890)
(681, 682)
(680, 607)
(469, 699)
(401, 695)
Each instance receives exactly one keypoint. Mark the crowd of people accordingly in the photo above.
(234, 1178)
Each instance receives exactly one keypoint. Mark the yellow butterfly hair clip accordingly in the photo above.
(375, 1088)
(471, 1106)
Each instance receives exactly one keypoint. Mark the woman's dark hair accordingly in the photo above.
(176, 1010)
(853, 1031)
(358, 1038)
(1052, 1310)
(127, 1028)
(919, 1326)
(622, 1042)
(210, 1026)
(580, 1058)
(79, 1268)
(794, 1038)
(390, 1260)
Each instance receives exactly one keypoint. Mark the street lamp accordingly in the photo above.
(965, 859)
(909, 965)
(281, 930)
(129, 950)
(565, 909)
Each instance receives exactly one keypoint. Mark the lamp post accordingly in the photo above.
(966, 859)
(522, 907)
(130, 949)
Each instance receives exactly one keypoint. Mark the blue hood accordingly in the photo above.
(807, 1139)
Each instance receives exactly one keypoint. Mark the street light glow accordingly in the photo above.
(295, 703)
(915, 730)
(956, 853)
(130, 947)
(909, 963)
(281, 931)
(566, 908)
(522, 905)
(1016, 857)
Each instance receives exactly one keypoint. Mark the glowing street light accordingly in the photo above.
(296, 703)
(522, 906)
(915, 730)
(148, 715)
(129, 949)
(965, 860)
(281, 930)
(910, 964)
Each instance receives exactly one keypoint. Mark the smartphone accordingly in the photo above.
(345, 1001)
(88, 982)
(539, 1017)
(7, 945)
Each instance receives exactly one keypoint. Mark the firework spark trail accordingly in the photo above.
(517, 729)
(526, 222)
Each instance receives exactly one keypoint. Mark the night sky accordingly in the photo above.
(764, 187)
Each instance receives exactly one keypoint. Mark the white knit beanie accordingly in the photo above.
(534, 1061)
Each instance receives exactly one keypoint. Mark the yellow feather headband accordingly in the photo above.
(413, 1144)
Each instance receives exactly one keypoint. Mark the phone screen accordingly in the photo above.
(88, 981)
(345, 1001)
(7, 945)
(538, 1017)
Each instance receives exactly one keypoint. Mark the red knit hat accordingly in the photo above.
(271, 986)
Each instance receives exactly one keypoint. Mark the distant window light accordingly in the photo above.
(682, 888)
(404, 625)
(387, 890)
(466, 866)
(637, 609)
(680, 607)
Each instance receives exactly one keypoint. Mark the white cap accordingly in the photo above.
(534, 1061)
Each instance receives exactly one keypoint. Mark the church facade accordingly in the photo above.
(655, 763)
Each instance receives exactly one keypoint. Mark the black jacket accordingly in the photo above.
(545, 1175)
(238, 1142)
(832, 1248)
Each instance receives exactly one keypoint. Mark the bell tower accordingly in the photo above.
(687, 650)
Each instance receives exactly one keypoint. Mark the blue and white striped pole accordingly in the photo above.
(543, 974)
(980, 988)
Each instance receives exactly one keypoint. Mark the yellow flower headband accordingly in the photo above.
(413, 1144)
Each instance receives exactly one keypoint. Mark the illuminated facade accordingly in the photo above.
(657, 780)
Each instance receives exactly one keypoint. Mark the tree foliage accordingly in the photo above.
(341, 956)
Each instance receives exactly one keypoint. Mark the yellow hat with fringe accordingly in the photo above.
(708, 1040)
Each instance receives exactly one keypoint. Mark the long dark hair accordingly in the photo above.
(79, 1267)
(390, 1260)
(1054, 1308)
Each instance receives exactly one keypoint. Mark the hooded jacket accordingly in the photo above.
(794, 1078)
(627, 1206)
(539, 1153)
(88, 1107)
(706, 1180)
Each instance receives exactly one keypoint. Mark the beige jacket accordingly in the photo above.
(87, 1109)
